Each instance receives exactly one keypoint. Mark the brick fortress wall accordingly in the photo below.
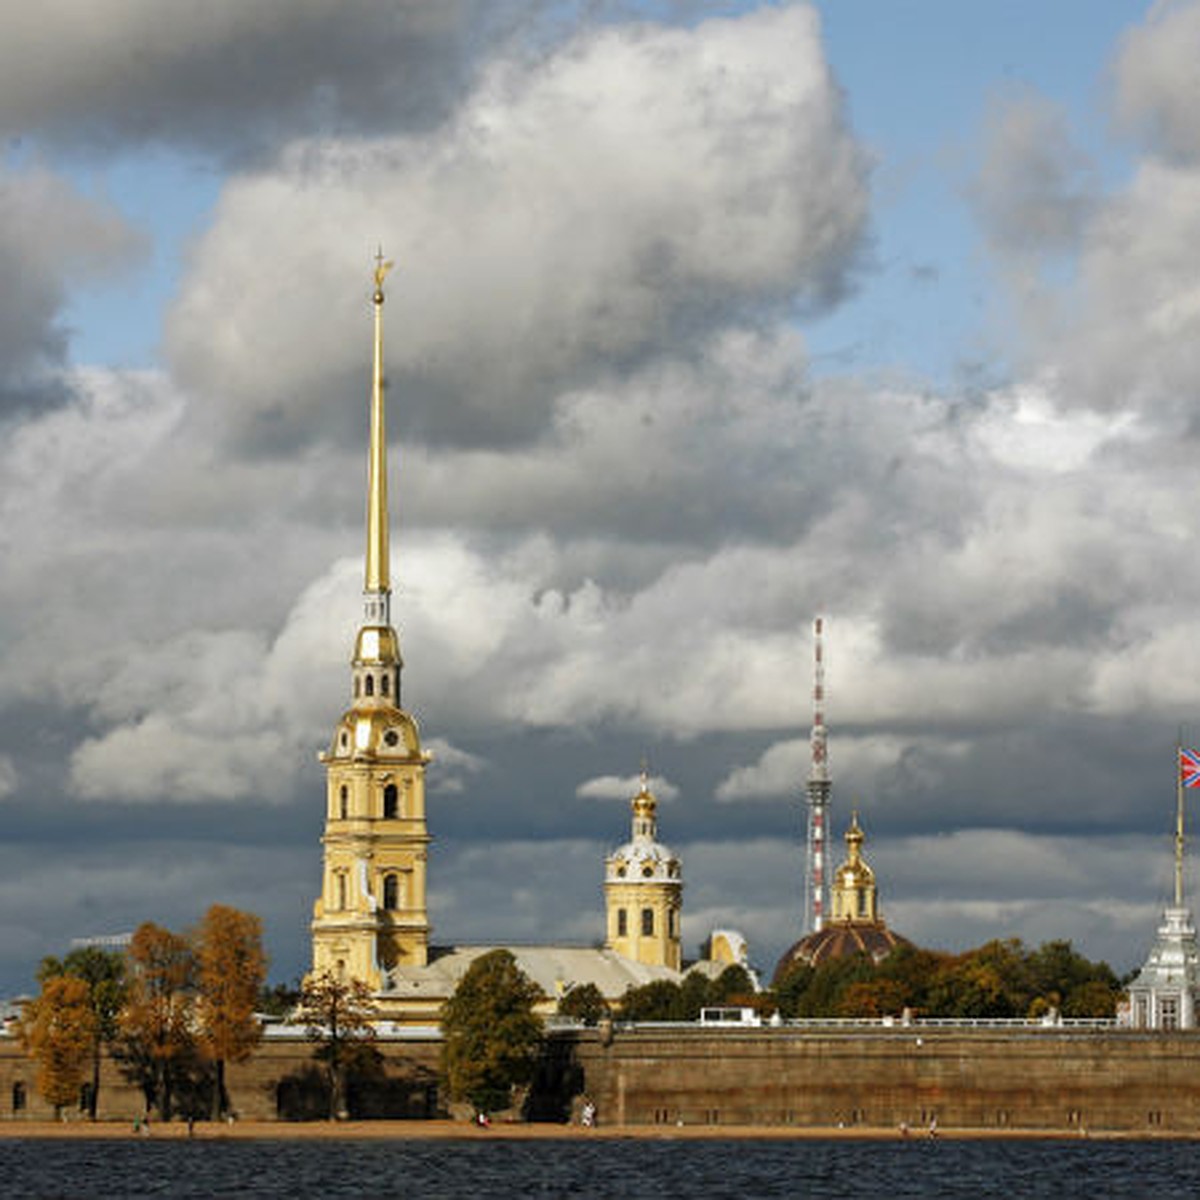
(967, 1078)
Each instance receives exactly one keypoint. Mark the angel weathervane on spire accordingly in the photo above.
(382, 267)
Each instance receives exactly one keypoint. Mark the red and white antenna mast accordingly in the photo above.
(818, 789)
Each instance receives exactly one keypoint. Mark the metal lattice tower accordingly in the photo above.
(818, 790)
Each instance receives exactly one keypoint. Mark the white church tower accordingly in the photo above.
(1164, 994)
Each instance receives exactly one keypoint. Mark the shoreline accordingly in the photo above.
(446, 1130)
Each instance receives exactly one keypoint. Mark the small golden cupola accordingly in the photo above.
(853, 892)
(855, 925)
(643, 891)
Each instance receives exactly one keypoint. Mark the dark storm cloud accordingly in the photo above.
(235, 76)
(50, 237)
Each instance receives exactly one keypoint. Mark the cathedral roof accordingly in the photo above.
(843, 939)
(555, 969)
(378, 731)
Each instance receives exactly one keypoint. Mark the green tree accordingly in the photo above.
(157, 1039)
(339, 1013)
(230, 969)
(732, 986)
(1092, 998)
(878, 997)
(586, 1003)
(491, 1035)
(791, 989)
(104, 973)
(279, 999)
(660, 1000)
(58, 1030)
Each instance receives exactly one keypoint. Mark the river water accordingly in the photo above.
(432, 1170)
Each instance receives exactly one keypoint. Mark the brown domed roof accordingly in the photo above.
(841, 940)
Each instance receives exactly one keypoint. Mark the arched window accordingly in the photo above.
(622, 923)
(341, 891)
(391, 891)
(344, 802)
(357, 687)
(391, 802)
(383, 685)
(369, 685)
(647, 922)
(18, 1097)
(671, 926)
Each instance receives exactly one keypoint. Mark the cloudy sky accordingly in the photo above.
(708, 318)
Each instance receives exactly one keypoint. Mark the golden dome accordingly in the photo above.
(644, 803)
(384, 732)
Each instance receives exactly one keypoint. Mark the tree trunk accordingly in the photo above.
(94, 1098)
(164, 1093)
(218, 1089)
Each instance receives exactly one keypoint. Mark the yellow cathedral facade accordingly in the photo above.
(371, 920)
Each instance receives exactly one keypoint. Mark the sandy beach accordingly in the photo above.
(435, 1130)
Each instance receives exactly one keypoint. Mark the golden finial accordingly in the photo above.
(382, 267)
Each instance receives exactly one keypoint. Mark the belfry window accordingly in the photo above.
(862, 904)
(647, 922)
(357, 688)
(391, 891)
(622, 923)
(18, 1096)
(344, 802)
(341, 892)
(369, 685)
(383, 685)
(391, 802)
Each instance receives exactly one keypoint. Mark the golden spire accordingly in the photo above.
(378, 579)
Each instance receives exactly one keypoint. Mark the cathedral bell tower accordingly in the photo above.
(643, 892)
(371, 914)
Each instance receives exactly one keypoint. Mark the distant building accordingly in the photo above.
(1164, 993)
(855, 924)
(643, 892)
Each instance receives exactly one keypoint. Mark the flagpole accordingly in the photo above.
(1179, 823)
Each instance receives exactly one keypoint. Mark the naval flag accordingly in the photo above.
(1189, 768)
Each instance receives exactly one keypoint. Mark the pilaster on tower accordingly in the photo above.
(818, 789)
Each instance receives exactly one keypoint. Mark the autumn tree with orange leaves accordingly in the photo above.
(231, 968)
(339, 1013)
(58, 1030)
(157, 1040)
(103, 971)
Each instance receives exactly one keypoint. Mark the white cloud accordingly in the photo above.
(1158, 90)
(642, 184)
(618, 787)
